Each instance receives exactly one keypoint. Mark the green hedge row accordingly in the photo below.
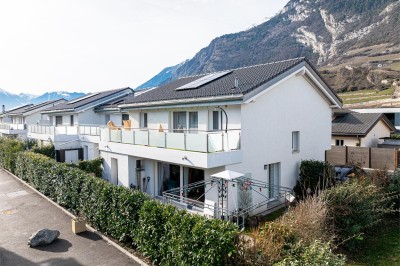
(161, 232)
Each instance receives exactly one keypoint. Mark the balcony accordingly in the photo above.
(8, 128)
(64, 133)
(176, 147)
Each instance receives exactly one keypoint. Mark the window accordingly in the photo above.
(296, 141)
(72, 120)
(107, 119)
(216, 120)
(193, 122)
(144, 120)
(274, 178)
(59, 120)
(339, 142)
(179, 122)
(125, 117)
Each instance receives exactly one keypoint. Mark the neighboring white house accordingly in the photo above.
(73, 127)
(14, 122)
(392, 113)
(261, 121)
(360, 129)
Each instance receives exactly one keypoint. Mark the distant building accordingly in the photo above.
(357, 129)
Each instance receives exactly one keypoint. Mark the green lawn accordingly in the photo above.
(365, 95)
(380, 247)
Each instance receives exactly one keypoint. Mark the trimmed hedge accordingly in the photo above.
(166, 235)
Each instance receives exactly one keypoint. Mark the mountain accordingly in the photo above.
(11, 100)
(165, 75)
(355, 44)
(48, 96)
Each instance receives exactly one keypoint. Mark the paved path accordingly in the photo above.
(23, 212)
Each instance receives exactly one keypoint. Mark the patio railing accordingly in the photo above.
(7, 126)
(198, 141)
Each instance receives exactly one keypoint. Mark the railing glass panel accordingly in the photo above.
(115, 135)
(157, 139)
(196, 142)
(142, 137)
(127, 137)
(176, 141)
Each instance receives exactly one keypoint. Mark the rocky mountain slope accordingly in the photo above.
(10, 100)
(355, 44)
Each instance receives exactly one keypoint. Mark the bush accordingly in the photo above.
(173, 237)
(168, 236)
(46, 150)
(309, 220)
(318, 253)
(9, 149)
(314, 176)
(355, 207)
(92, 166)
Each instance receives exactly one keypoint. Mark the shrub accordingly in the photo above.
(173, 237)
(92, 166)
(309, 220)
(46, 150)
(9, 148)
(314, 176)
(167, 235)
(318, 253)
(355, 207)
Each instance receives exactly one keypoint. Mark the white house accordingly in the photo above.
(73, 127)
(14, 122)
(360, 129)
(260, 121)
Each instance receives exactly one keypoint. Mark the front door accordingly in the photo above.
(72, 156)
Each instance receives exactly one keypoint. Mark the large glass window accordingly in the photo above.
(179, 122)
(168, 177)
(59, 120)
(193, 122)
(216, 120)
(273, 177)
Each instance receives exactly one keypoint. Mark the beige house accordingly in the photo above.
(364, 130)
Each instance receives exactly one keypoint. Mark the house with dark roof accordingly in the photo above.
(14, 122)
(74, 126)
(360, 129)
(260, 121)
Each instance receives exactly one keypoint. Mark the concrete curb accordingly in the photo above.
(91, 229)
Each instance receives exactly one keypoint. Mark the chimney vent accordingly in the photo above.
(236, 82)
(3, 108)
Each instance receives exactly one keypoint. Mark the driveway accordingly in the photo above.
(23, 212)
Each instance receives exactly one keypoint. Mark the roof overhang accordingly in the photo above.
(217, 100)
(302, 69)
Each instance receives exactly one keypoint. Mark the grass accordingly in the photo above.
(381, 246)
(395, 66)
(365, 95)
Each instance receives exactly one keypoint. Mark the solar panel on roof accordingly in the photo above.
(84, 97)
(203, 80)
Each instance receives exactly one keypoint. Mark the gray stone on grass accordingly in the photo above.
(43, 237)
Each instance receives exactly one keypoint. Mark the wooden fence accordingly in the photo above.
(376, 158)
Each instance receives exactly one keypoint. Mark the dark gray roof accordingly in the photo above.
(249, 78)
(32, 107)
(113, 104)
(19, 109)
(357, 124)
(84, 100)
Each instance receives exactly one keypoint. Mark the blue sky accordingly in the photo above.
(94, 45)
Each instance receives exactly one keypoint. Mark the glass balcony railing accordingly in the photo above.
(7, 126)
(65, 130)
(206, 142)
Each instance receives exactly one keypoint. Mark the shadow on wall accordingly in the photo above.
(8, 258)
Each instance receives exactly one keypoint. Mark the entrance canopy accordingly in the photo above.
(227, 175)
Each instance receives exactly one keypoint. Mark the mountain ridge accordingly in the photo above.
(333, 35)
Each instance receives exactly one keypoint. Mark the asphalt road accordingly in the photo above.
(23, 212)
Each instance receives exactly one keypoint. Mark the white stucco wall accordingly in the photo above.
(347, 140)
(267, 125)
(372, 139)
